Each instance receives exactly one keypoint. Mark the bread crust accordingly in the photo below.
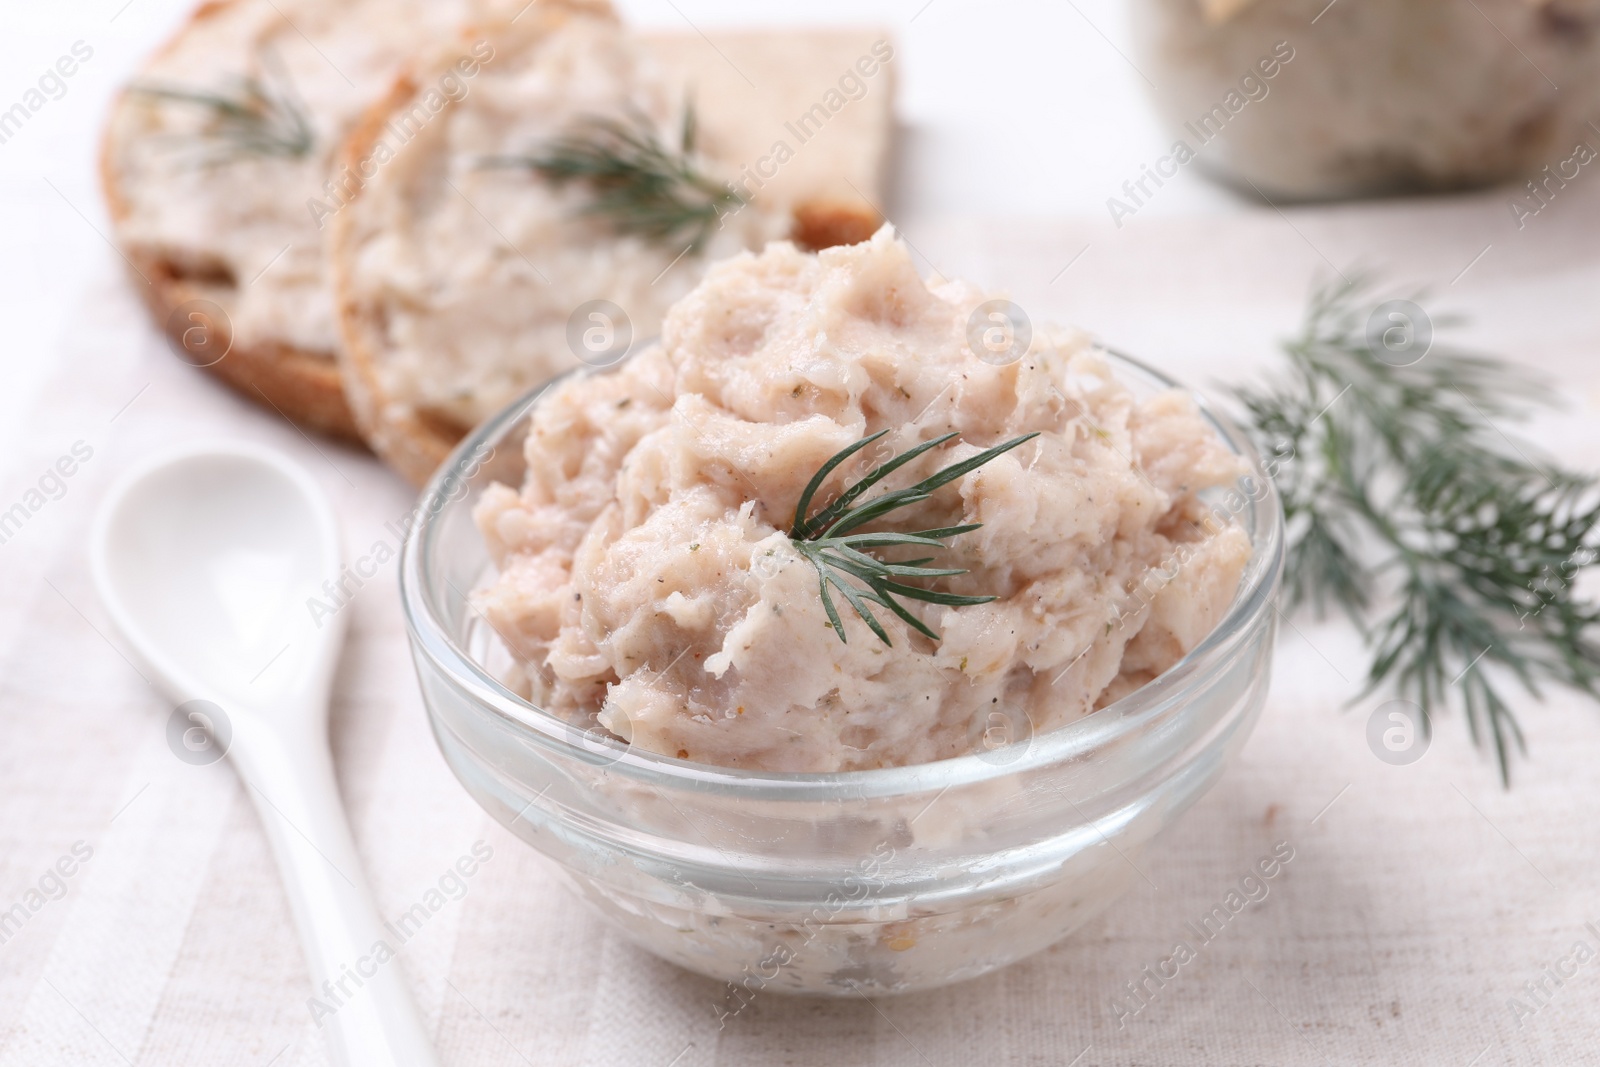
(820, 224)
(412, 444)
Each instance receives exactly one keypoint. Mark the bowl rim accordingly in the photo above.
(1104, 727)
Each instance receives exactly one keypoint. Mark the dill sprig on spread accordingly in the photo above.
(249, 117)
(639, 185)
(841, 557)
(1411, 511)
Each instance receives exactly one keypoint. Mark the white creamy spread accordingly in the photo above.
(647, 582)
(479, 268)
(246, 219)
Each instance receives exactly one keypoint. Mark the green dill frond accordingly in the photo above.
(841, 557)
(637, 184)
(247, 117)
(1409, 509)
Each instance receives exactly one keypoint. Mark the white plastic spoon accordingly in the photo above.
(206, 559)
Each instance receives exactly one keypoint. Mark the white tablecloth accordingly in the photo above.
(1418, 903)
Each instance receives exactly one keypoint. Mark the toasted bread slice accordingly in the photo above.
(211, 203)
(462, 277)
(826, 96)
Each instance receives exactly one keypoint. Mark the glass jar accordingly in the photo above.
(1307, 99)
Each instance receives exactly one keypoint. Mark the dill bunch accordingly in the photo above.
(843, 559)
(1413, 513)
(639, 185)
(249, 117)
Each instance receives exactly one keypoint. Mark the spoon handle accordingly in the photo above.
(359, 998)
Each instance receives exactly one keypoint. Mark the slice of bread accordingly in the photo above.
(202, 214)
(823, 98)
(462, 279)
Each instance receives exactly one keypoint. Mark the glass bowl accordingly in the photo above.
(876, 881)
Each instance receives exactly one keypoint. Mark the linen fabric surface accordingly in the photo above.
(1421, 904)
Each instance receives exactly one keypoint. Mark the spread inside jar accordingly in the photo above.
(648, 580)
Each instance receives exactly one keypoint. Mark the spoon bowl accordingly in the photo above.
(212, 556)
(211, 561)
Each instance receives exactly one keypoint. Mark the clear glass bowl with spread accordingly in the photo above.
(877, 881)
